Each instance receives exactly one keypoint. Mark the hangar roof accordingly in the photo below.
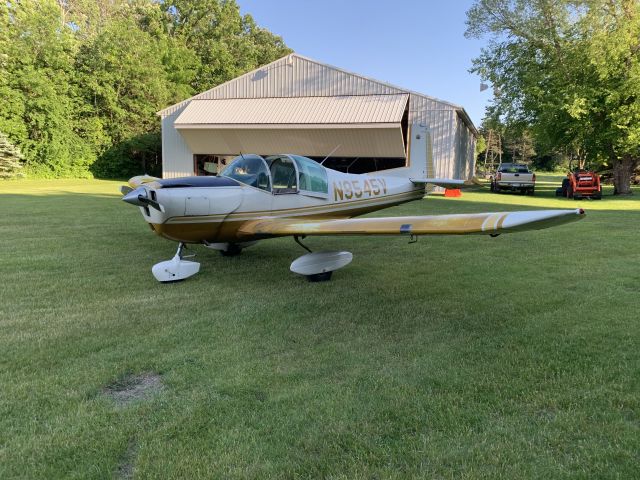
(317, 111)
(297, 76)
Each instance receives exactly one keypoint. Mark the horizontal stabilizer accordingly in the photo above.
(469, 223)
(475, 182)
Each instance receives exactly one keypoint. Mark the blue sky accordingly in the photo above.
(418, 45)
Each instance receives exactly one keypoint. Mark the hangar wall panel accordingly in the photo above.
(177, 158)
(294, 76)
(464, 153)
(440, 119)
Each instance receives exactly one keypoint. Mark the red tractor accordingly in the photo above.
(581, 184)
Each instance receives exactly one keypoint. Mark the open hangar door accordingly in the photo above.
(362, 133)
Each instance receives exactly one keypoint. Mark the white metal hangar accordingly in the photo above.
(298, 105)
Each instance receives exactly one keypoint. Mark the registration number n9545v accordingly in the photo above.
(352, 189)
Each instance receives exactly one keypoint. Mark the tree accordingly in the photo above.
(10, 158)
(82, 80)
(38, 81)
(226, 43)
(569, 70)
(520, 145)
(481, 145)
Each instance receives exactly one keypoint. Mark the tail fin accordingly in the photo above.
(420, 166)
(420, 154)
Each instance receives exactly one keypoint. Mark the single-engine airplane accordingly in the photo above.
(256, 198)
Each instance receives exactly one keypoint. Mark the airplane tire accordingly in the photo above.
(231, 251)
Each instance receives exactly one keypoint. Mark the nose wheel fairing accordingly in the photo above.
(177, 268)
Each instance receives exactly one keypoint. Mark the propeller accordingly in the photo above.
(140, 198)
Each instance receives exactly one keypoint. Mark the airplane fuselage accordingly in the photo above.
(255, 198)
(214, 211)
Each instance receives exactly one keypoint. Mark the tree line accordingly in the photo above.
(568, 71)
(81, 80)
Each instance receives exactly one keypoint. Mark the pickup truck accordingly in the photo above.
(514, 177)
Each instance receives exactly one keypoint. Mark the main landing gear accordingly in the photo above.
(228, 249)
(315, 266)
(319, 266)
(177, 268)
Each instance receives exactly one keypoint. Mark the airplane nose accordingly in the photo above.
(133, 197)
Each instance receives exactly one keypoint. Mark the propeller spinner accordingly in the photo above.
(140, 198)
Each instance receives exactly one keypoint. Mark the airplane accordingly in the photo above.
(255, 198)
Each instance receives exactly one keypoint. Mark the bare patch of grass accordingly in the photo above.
(126, 465)
(132, 388)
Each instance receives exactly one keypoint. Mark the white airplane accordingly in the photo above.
(256, 198)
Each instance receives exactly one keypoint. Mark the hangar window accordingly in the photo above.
(313, 177)
(250, 170)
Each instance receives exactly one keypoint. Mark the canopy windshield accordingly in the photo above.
(250, 170)
(279, 173)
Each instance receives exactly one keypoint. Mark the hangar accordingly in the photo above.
(298, 105)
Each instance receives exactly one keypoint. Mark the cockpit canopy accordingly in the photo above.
(279, 174)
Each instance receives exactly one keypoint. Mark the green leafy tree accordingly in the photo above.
(481, 145)
(38, 81)
(10, 159)
(519, 144)
(82, 80)
(227, 43)
(123, 80)
(569, 70)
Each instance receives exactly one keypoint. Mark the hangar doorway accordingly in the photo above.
(211, 164)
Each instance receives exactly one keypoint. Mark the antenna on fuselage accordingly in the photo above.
(330, 153)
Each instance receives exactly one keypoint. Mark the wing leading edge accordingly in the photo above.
(460, 224)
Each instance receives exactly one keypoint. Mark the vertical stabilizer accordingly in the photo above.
(420, 155)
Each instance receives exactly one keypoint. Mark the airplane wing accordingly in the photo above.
(460, 224)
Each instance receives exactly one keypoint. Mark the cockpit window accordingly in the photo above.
(313, 176)
(250, 170)
(283, 174)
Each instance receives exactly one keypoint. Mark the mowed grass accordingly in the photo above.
(455, 357)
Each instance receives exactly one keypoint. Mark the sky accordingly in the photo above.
(417, 45)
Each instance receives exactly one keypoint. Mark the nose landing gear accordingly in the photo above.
(177, 268)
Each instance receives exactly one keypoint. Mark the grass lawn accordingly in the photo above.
(455, 357)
